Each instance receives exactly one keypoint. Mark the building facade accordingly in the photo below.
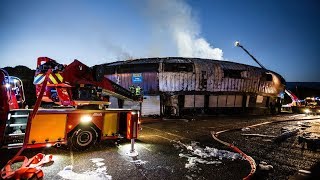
(175, 86)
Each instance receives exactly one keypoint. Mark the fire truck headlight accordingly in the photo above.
(307, 111)
(7, 85)
(48, 145)
(133, 112)
(86, 119)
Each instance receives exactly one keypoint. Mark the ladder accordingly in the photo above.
(16, 128)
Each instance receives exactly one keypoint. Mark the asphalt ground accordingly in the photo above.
(185, 149)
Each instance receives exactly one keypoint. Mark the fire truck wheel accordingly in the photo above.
(83, 138)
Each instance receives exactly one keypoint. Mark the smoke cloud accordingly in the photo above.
(175, 18)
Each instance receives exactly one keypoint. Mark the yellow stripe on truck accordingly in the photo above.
(53, 80)
(110, 124)
(59, 77)
(49, 127)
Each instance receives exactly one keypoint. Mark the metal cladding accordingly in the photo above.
(177, 86)
(177, 75)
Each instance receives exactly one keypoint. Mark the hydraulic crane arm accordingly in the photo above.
(237, 43)
(78, 73)
(82, 81)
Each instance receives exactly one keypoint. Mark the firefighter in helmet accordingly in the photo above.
(132, 89)
(138, 90)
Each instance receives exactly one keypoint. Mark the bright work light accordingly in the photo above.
(86, 119)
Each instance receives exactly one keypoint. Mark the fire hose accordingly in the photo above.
(236, 149)
(29, 168)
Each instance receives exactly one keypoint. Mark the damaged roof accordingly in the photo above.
(224, 64)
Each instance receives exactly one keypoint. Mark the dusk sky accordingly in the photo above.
(284, 35)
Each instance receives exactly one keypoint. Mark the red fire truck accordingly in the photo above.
(78, 115)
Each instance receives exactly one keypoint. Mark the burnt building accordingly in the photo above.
(178, 86)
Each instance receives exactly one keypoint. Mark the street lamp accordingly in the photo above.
(237, 44)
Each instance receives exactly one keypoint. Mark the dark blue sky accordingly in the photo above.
(282, 35)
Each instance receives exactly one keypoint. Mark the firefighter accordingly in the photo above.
(138, 90)
(132, 89)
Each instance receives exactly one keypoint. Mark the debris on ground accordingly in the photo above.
(290, 131)
(139, 162)
(245, 129)
(311, 140)
(304, 125)
(259, 135)
(302, 171)
(100, 172)
(265, 166)
(310, 136)
(208, 155)
(287, 133)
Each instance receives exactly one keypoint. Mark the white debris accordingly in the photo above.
(222, 154)
(213, 162)
(197, 155)
(100, 173)
(189, 148)
(265, 166)
(183, 155)
(97, 161)
(139, 162)
(198, 152)
(302, 171)
(191, 163)
(245, 129)
(132, 153)
(100, 164)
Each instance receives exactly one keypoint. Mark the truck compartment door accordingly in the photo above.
(47, 128)
(110, 124)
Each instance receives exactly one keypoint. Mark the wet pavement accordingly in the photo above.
(185, 149)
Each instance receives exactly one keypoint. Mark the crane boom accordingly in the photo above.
(76, 83)
(237, 43)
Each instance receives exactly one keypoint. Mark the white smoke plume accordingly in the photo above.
(175, 18)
